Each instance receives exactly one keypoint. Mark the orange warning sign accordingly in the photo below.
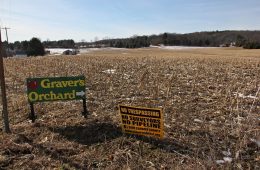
(142, 121)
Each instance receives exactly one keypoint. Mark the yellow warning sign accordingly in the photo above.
(142, 121)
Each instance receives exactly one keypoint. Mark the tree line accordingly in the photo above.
(59, 44)
(35, 47)
(246, 39)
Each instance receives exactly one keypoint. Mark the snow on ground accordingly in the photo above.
(109, 71)
(245, 96)
(180, 47)
(87, 50)
(57, 51)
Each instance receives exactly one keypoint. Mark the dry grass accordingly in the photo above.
(208, 96)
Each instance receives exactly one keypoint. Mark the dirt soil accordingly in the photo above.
(210, 99)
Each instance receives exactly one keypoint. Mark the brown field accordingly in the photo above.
(210, 99)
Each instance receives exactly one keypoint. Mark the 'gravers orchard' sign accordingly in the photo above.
(55, 88)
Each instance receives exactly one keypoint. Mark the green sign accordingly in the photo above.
(55, 88)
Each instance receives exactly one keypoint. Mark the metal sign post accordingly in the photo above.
(3, 91)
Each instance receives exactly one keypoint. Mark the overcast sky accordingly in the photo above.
(87, 19)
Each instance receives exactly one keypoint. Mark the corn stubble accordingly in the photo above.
(210, 100)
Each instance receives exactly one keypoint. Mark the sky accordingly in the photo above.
(89, 20)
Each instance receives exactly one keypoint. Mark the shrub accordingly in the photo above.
(252, 45)
(35, 48)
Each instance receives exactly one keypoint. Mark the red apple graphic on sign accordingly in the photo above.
(32, 85)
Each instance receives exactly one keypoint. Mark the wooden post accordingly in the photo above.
(85, 111)
(8, 53)
(32, 113)
(3, 91)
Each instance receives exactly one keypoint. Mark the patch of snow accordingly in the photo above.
(133, 98)
(227, 159)
(113, 48)
(109, 71)
(198, 120)
(182, 47)
(220, 161)
(243, 96)
(251, 97)
(87, 50)
(226, 153)
(57, 51)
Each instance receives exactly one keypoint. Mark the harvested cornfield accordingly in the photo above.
(210, 99)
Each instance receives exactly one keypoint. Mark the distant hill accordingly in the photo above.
(246, 39)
